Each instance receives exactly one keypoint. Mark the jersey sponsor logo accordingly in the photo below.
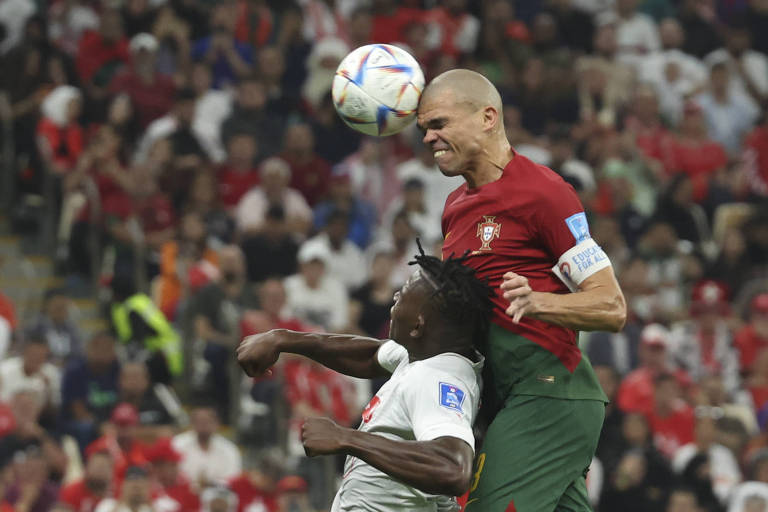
(487, 231)
(368, 411)
(451, 397)
(577, 223)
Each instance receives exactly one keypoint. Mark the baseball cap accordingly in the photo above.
(163, 451)
(143, 41)
(312, 252)
(655, 335)
(709, 296)
(125, 415)
(291, 483)
(759, 303)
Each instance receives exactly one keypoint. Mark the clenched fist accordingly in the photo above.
(321, 436)
(258, 353)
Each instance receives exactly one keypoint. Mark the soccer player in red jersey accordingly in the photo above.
(527, 233)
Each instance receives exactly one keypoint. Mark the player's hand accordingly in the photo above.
(258, 353)
(519, 294)
(321, 436)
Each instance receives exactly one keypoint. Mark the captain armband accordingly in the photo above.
(579, 262)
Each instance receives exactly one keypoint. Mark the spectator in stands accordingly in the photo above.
(239, 173)
(676, 207)
(682, 499)
(272, 251)
(729, 115)
(671, 419)
(257, 485)
(207, 458)
(84, 494)
(362, 214)
(29, 433)
(175, 492)
(755, 486)
(702, 34)
(99, 54)
(250, 115)
(315, 297)
(309, 172)
(752, 339)
(33, 488)
(212, 107)
(275, 176)
(219, 499)
(321, 65)
(704, 345)
(31, 372)
(636, 33)
(120, 441)
(89, 389)
(157, 406)
(55, 322)
(292, 495)
(60, 134)
(425, 222)
(135, 493)
(755, 158)
(334, 140)
(626, 490)
(401, 242)
(724, 470)
(144, 331)
(228, 58)
(370, 304)
(150, 91)
(346, 263)
(204, 200)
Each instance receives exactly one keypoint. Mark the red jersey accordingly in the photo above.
(698, 160)
(749, 345)
(79, 497)
(521, 223)
(151, 100)
(674, 430)
(250, 497)
(636, 390)
(233, 184)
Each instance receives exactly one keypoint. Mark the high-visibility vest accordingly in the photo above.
(166, 340)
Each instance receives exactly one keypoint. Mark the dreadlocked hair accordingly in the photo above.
(460, 297)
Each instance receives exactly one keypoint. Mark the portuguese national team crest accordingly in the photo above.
(487, 231)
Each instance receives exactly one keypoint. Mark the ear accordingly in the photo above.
(490, 118)
(418, 329)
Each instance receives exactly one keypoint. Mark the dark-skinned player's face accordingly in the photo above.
(452, 131)
(409, 304)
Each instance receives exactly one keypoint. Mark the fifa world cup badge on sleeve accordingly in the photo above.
(451, 397)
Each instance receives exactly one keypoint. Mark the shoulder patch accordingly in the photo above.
(451, 397)
(577, 223)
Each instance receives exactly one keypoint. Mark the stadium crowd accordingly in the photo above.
(195, 145)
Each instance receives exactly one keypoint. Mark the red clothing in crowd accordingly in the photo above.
(310, 178)
(181, 493)
(750, 345)
(66, 142)
(151, 100)
(698, 160)
(322, 389)
(135, 455)
(7, 310)
(155, 213)
(79, 497)
(654, 141)
(251, 497)
(450, 25)
(94, 53)
(234, 184)
(636, 390)
(674, 430)
(388, 28)
(756, 146)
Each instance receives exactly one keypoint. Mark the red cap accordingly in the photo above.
(163, 451)
(125, 415)
(709, 296)
(291, 483)
(655, 335)
(759, 303)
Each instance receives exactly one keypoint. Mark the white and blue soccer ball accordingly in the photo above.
(377, 88)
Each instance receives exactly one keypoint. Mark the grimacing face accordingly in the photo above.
(409, 302)
(452, 131)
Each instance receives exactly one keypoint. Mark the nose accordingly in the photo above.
(429, 137)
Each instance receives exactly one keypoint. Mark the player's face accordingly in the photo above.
(405, 312)
(451, 131)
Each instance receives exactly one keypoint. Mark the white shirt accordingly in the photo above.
(5, 337)
(691, 76)
(637, 36)
(727, 123)
(422, 401)
(326, 306)
(211, 109)
(252, 208)
(46, 383)
(14, 14)
(723, 467)
(755, 65)
(437, 187)
(112, 505)
(347, 265)
(221, 462)
(745, 491)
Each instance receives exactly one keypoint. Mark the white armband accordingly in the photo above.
(579, 262)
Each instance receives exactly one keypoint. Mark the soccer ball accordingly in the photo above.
(376, 89)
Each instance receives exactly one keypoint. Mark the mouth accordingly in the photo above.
(440, 152)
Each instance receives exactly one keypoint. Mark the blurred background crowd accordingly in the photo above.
(179, 168)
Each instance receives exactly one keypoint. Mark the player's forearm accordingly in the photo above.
(442, 466)
(348, 354)
(590, 310)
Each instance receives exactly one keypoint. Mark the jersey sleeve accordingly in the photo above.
(440, 405)
(391, 354)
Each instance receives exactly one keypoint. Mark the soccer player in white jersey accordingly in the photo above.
(415, 446)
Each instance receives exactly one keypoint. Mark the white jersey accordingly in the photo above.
(422, 401)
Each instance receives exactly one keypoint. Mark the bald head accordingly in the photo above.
(467, 87)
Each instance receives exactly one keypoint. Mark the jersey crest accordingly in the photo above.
(368, 411)
(487, 231)
(451, 397)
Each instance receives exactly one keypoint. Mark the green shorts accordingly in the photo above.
(535, 456)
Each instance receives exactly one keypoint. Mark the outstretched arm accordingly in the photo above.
(599, 304)
(440, 466)
(347, 354)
